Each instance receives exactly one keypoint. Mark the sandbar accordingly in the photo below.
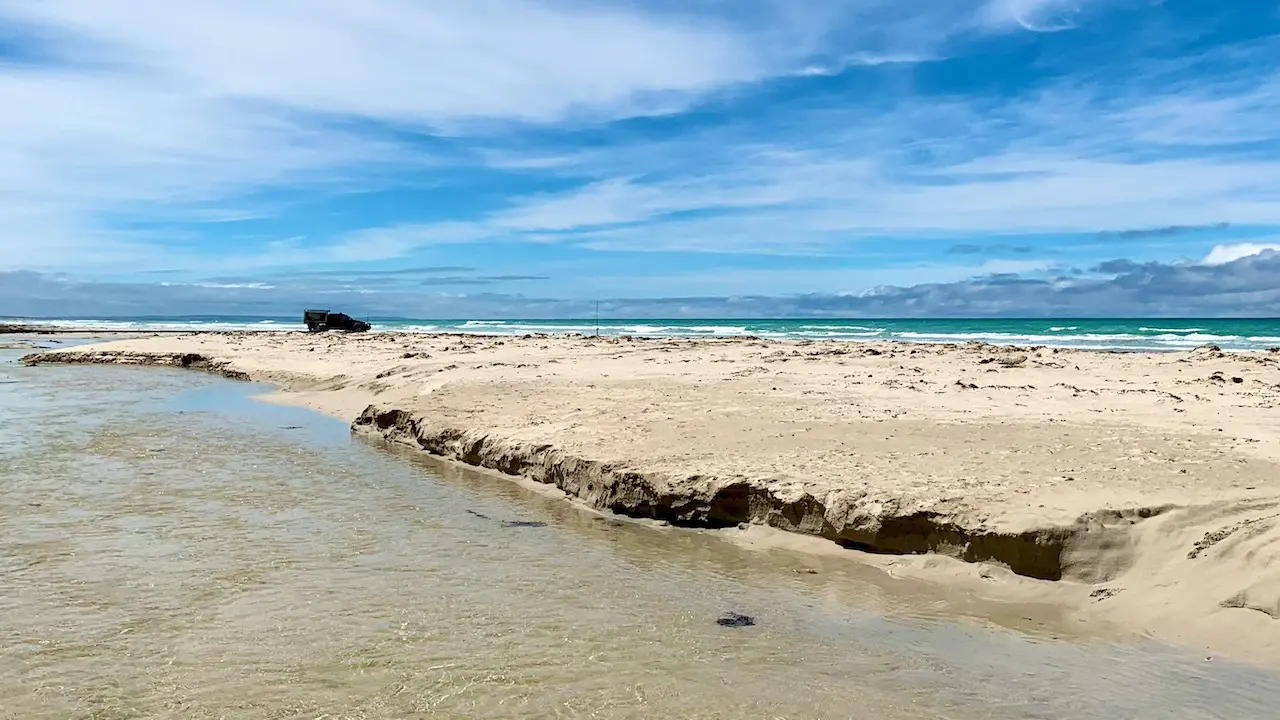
(1140, 488)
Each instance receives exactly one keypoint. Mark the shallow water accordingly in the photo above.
(171, 548)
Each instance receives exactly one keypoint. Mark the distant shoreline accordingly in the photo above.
(486, 329)
(13, 329)
(1123, 335)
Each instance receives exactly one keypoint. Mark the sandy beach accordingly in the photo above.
(1139, 489)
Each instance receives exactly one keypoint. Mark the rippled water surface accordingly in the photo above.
(1250, 334)
(171, 548)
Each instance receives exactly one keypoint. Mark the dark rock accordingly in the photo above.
(735, 620)
(509, 523)
(1104, 593)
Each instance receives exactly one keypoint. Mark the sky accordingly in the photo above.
(732, 158)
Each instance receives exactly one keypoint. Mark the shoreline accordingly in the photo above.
(60, 330)
(1111, 336)
(716, 505)
(1130, 555)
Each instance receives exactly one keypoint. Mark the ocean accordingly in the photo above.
(1133, 334)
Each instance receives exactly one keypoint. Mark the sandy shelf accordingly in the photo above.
(1146, 485)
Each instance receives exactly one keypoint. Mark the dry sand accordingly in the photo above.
(1146, 485)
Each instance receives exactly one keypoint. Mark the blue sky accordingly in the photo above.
(431, 158)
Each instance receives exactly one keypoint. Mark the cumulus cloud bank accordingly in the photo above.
(1247, 286)
(1222, 254)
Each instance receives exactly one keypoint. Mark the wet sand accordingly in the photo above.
(1139, 489)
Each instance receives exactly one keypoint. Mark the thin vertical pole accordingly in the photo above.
(597, 316)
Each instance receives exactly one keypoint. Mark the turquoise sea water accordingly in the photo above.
(1101, 333)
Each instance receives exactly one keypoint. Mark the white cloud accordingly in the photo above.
(1203, 118)
(1223, 254)
(160, 105)
(161, 102)
(775, 178)
(1172, 290)
(74, 148)
(796, 203)
(1064, 160)
(1054, 193)
(420, 62)
(1041, 16)
(148, 106)
(863, 60)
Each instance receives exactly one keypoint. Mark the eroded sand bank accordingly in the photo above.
(1146, 485)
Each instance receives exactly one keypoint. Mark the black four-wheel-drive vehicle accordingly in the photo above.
(321, 320)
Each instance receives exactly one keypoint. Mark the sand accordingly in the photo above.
(1140, 489)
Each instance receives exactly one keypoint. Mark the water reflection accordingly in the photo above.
(171, 548)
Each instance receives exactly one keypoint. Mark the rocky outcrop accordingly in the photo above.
(855, 522)
(191, 361)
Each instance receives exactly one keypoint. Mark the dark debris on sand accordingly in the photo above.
(735, 620)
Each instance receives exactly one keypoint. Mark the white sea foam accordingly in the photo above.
(1098, 341)
(719, 329)
(1198, 338)
(156, 326)
(839, 328)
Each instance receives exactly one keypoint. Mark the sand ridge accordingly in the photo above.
(1151, 481)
